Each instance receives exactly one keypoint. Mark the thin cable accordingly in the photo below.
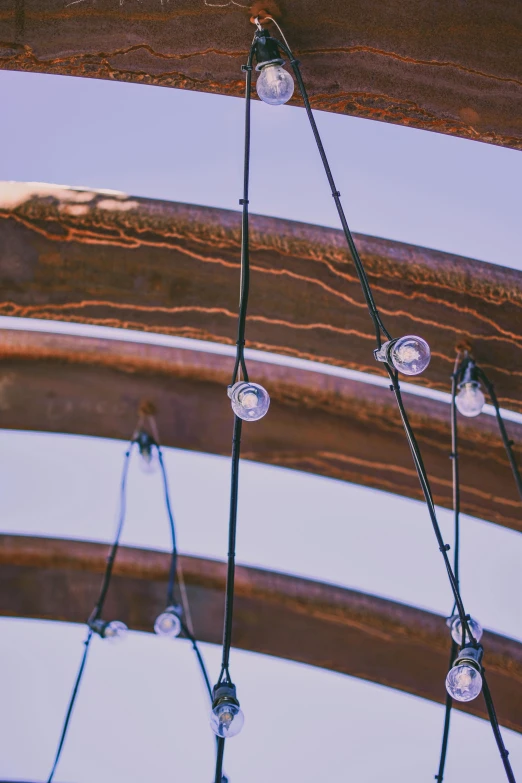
(170, 515)
(98, 608)
(508, 443)
(504, 753)
(70, 708)
(224, 675)
(361, 272)
(447, 716)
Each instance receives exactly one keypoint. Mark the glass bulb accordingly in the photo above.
(274, 85)
(470, 400)
(463, 682)
(249, 400)
(456, 629)
(168, 624)
(115, 631)
(226, 719)
(410, 354)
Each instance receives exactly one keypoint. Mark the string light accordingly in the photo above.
(114, 632)
(250, 401)
(168, 623)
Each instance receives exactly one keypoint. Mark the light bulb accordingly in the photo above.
(464, 682)
(226, 719)
(250, 401)
(470, 400)
(274, 85)
(115, 631)
(456, 629)
(410, 354)
(168, 623)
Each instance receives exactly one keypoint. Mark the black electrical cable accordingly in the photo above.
(395, 388)
(454, 456)
(224, 675)
(496, 728)
(168, 506)
(508, 443)
(98, 608)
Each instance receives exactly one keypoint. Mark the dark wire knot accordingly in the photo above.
(247, 68)
(453, 456)
(295, 62)
(244, 201)
(445, 548)
(336, 194)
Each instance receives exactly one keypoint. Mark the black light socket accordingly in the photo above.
(267, 50)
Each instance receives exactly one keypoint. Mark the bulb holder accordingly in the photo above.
(146, 443)
(266, 51)
(472, 656)
(168, 623)
(224, 693)
(468, 373)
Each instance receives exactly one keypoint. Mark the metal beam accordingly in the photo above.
(317, 423)
(447, 67)
(78, 255)
(275, 614)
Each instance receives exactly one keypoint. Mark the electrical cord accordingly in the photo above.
(453, 576)
(508, 443)
(224, 675)
(98, 608)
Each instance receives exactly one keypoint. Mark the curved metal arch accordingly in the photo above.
(275, 614)
(447, 67)
(317, 423)
(105, 258)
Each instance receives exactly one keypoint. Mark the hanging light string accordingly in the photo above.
(98, 608)
(239, 365)
(460, 365)
(175, 568)
(395, 388)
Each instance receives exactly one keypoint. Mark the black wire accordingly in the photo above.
(508, 443)
(447, 716)
(174, 556)
(504, 753)
(361, 272)
(70, 708)
(236, 437)
(98, 608)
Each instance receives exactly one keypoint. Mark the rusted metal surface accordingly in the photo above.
(301, 620)
(317, 423)
(100, 258)
(447, 67)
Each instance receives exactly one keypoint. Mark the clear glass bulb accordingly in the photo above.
(456, 629)
(463, 682)
(250, 401)
(226, 719)
(115, 631)
(470, 400)
(274, 85)
(168, 624)
(410, 354)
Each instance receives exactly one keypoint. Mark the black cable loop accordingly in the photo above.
(361, 272)
(508, 443)
(98, 608)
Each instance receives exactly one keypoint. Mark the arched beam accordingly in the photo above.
(78, 255)
(447, 67)
(311, 622)
(317, 423)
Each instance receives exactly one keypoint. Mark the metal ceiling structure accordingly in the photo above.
(276, 614)
(90, 386)
(447, 67)
(107, 259)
